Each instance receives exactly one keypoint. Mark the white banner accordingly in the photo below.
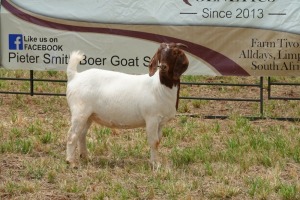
(225, 37)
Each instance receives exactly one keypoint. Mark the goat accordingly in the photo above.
(119, 100)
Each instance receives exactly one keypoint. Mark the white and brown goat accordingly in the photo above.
(119, 100)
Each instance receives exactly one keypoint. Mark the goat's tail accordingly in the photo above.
(75, 58)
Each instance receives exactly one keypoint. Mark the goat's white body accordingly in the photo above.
(120, 100)
(116, 100)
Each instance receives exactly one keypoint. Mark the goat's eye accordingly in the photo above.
(164, 67)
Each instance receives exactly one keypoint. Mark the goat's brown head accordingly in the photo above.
(172, 62)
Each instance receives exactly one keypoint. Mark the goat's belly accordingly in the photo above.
(117, 122)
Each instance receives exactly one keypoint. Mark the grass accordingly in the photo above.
(202, 159)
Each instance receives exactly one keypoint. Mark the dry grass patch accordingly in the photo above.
(202, 159)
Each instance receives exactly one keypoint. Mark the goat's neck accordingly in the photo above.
(167, 92)
(168, 81)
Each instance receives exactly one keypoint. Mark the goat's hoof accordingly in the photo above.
(84, 159)
(156, 165)
(72, 165)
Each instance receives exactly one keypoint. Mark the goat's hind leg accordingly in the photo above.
(83, 152)
(77, 127)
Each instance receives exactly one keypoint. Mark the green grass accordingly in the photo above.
(202, 159)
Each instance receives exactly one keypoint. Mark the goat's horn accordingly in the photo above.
(181, 45)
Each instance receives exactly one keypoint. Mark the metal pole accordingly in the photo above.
(261, 97)
(31, 83)
(269, 87)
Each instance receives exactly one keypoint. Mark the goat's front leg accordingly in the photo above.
(153, 136)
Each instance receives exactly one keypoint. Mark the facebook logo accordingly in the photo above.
(15, 41)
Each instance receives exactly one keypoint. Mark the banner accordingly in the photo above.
(224, 37)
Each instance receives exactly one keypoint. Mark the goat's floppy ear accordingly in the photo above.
(156, 59)
(180, 66)
(154, 63)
